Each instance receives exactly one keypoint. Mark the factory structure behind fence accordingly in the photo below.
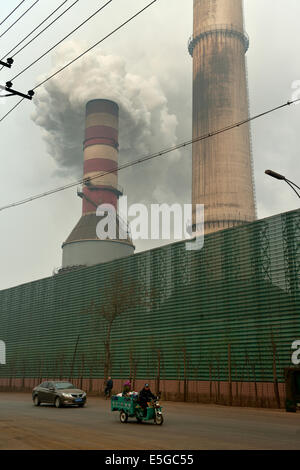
(216, 324)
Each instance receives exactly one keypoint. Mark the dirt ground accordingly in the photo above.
(187, 426)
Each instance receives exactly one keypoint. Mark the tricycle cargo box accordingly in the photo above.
(126, 404)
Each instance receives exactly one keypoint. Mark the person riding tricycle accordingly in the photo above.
(143, 406)
(145, 397)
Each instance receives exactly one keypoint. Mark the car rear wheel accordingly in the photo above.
(36, 400)
(57, 402)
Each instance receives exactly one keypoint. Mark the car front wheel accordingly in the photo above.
(36, 400)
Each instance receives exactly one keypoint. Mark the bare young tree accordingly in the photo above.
(118, 295)
(157, 361)
(133, 364)
(275, 377)
(12, 372)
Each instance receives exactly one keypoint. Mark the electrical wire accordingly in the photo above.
(12, 12)
(292, 186)
(81, 55)
(62, 40)
(37, 27)
(94, 45)
(12, 109)
(148, 157)
(292, 183)
(20, 17)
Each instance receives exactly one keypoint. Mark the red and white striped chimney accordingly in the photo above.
(101, 150)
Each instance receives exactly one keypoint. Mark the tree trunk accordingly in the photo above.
(255, 385)
(158, 373)
(276, 389)
(82, 369)
(73, 359)
(107, 353)
(210, 382)
(185, 385)
(229, 375)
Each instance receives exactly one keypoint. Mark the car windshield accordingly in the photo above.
(63, 385)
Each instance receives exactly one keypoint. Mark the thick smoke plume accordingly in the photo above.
(146, 124)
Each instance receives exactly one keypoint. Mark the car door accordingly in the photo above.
(49, 393)
(42, 392)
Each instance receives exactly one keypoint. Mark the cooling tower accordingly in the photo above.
(101, 147)
(222, 165)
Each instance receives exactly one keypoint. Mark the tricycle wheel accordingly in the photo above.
(290, 406)
(123, 417)
(159, 419)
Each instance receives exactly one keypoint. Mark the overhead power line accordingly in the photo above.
(78, 57)
(62, 40)
(148, 157)
(12, 109)
(8, 63)
(94, 45)
(37, 27)
(30, 93)
(47, 27)
(12, 12)
(20, 17)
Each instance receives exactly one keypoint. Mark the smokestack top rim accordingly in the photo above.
(113, 104)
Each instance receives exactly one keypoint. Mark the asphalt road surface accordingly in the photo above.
(187, 426)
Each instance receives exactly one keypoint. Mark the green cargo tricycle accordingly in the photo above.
(129, 407)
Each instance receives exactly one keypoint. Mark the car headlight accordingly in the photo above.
(67, 395)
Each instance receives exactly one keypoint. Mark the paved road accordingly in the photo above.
(187, 426)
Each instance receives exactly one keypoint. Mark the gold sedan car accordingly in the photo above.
(58, 394)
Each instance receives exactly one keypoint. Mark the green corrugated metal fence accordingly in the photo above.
(241, 289)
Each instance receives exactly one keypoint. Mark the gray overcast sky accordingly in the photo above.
(154, 48)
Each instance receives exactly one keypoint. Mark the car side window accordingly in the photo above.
(43, 385)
